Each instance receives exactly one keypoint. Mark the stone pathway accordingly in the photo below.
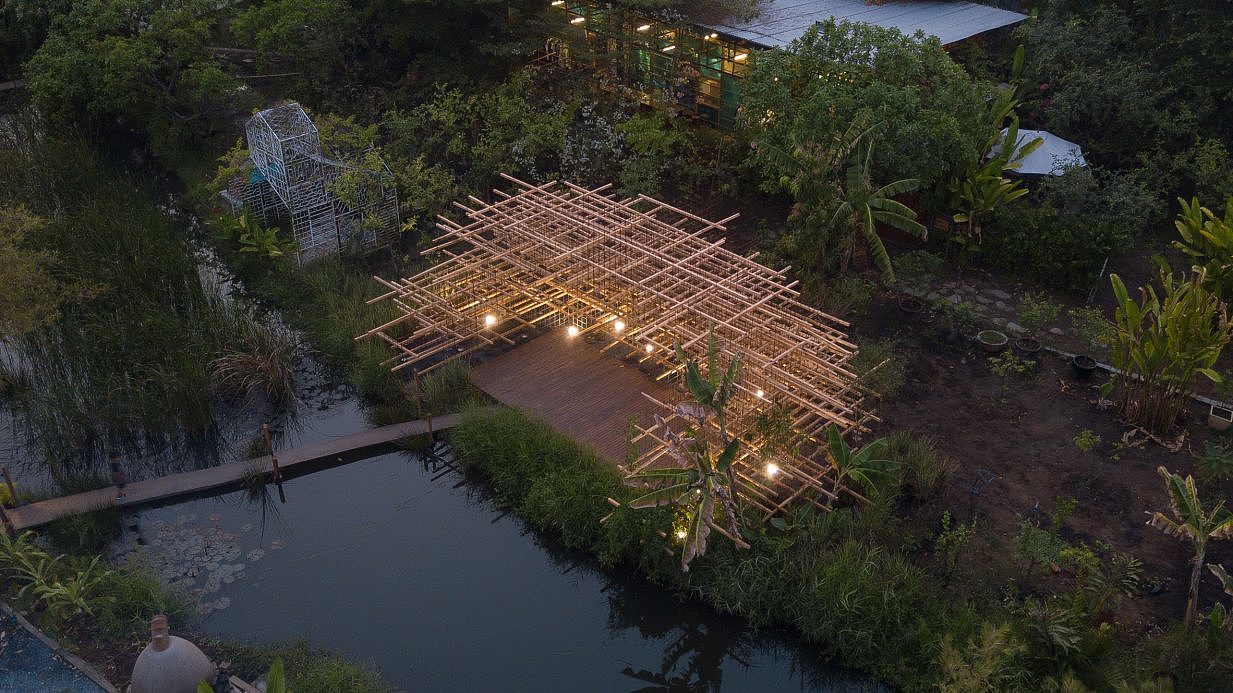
(991, 305)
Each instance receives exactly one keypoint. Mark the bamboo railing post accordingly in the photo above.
(8, 481)
(419, 404)
(278, 473)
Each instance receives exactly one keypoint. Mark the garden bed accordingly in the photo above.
(1016, 457)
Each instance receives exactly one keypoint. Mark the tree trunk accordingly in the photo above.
(1192, 600)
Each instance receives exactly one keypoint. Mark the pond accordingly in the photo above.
(398, 561)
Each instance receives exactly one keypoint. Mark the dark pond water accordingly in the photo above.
(395, 561)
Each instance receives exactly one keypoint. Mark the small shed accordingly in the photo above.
(1051, 158)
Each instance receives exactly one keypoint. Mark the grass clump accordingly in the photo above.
(129, 596)
(922, 468)
(260, 365)
(86, 533)
(307, 668)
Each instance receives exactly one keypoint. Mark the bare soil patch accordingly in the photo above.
(1016, 457)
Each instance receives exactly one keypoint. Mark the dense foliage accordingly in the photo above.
(864, 603)
(1142, 85)
(931, 112)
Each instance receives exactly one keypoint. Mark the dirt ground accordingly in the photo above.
(1016, 457)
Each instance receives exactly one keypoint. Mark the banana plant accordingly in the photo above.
(986, 189)
(1220, 617)
(864, 205)
(978, 187)
(702, 482)
(1191, 523)
(864, 466)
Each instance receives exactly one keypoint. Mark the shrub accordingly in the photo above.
(917, 264)
(1035, 310)
(1216, 462)
(1078, 220)
(848, 294)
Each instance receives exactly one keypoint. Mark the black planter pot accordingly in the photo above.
(1027, 348)
(1083, 366)
(911, 307)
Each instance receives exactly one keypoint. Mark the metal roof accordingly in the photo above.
(782, 21)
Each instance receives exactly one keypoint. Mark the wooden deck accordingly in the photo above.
(583, 392)
(342, 449)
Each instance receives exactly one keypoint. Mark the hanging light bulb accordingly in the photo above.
(572, 330)
(649, 347)
(760, 394)
(680, 534)
(490, 321)
(618, 326)
(772, 470)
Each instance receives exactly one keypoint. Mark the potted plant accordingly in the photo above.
(992, 341)
(1035, 310)
(911, 307)
(1095, 333)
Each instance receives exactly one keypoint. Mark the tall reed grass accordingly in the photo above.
(129, 364)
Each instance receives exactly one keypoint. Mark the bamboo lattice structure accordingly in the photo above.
(637, 276)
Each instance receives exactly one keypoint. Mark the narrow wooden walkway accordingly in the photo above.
(581, 391)
(202, 480)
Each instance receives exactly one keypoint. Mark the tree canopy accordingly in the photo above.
(932, 113)
(145, 63)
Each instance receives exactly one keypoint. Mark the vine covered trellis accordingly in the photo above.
(639, 277)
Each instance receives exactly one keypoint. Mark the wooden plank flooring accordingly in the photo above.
(582, 392)
(222, 476)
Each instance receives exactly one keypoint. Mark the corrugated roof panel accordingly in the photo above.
(782, 21)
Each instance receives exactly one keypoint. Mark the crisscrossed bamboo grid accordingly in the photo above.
(643, 276)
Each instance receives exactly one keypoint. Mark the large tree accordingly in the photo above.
(145, 63)
(932, 113)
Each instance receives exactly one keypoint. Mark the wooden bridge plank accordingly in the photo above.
(222, 476)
